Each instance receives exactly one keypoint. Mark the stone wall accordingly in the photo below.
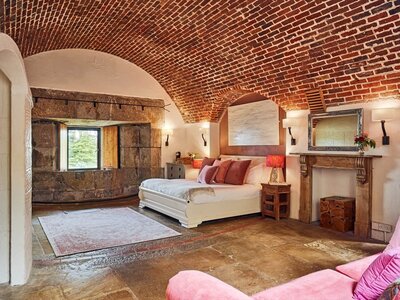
(139, 148)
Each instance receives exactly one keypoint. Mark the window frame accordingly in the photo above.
(98, 147)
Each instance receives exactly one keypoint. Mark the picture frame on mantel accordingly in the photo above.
(334, 131)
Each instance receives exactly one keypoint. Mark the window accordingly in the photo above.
(83, 149)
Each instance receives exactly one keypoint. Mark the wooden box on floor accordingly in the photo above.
(337, 213)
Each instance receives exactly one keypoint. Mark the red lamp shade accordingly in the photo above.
(275, 161)
(196, 163)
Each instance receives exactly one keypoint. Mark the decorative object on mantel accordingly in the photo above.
(362, 164)
(289, 123)
(334, 131)
(382, 115)
(363, 141)
(277, 163)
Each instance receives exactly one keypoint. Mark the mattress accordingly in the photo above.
(199, 193)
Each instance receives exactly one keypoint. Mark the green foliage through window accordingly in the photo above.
(83, 148)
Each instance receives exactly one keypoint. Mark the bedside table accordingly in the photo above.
(175, 171)
(275, 200)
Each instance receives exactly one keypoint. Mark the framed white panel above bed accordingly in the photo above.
(252, 124)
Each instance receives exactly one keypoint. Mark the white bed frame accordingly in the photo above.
(190, 214)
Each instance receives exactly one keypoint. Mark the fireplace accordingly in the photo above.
(362, 164)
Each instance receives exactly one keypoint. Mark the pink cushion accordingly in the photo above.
(395, 240)
(223, 167)
(325, 284)
(237, 172)
(207, 174)
(196, 285)
(355, 269)
(382, 272)
(206, 162)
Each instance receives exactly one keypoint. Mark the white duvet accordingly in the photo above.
(195, 192)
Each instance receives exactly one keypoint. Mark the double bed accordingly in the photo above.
(192, 203)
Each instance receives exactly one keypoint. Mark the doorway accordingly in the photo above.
(5, 173)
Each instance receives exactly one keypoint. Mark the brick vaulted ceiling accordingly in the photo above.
(207, 53)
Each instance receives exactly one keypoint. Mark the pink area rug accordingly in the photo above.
(94, 229)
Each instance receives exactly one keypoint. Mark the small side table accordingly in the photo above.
(275, 200)
(175, 171)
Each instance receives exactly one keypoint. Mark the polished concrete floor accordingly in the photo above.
(251, 253)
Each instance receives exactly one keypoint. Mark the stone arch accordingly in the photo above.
(19, 225)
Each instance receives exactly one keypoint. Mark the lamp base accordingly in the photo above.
(385, 140)
(276, 176)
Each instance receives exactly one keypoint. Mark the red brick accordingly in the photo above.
(206, 54)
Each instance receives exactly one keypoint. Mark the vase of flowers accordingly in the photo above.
(363, 142)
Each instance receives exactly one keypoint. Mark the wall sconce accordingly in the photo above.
(167, 133)
(205, 126)
(204, 140)
(289, 123)
(383, 115)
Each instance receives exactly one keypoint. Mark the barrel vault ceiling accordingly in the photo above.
(208, 53)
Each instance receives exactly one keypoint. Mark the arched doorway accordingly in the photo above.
(15, 212)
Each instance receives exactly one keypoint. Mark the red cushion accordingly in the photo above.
(237, 172)
(207, 174)
(206, 162)
(223, 167)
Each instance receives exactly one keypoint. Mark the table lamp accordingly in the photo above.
(277, 163)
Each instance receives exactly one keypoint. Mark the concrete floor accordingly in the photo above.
(250, 253)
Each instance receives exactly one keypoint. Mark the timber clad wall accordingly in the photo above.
(206, 54)
(140, 147)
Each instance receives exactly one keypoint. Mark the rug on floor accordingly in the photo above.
(80, 231)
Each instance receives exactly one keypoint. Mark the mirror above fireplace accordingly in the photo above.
(334, 131)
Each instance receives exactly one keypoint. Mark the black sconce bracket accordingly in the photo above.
(385, 138)
(204, 140)
(292, 139)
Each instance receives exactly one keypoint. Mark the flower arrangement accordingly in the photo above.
(363, 141)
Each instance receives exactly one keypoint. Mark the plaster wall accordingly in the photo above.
(98, 72)
(5, 173)
(386, 172)
(11, 64)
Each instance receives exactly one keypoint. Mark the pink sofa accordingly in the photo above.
(326, 284)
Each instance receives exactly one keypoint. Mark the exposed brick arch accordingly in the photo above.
(196, 48)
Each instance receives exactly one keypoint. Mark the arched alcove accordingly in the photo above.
(17, 230)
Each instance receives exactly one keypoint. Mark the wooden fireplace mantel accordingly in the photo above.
(362, 164)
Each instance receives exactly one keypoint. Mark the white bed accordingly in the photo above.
(192, 203)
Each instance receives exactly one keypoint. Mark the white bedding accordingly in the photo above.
(199, 193)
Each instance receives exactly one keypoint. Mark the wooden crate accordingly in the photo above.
(337, 213)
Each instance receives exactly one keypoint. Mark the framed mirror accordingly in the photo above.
(334, 131)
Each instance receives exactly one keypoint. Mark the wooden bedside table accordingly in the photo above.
(275, 200)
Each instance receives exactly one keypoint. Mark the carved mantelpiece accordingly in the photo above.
(362, 164)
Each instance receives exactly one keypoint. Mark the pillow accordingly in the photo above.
(391, 291)
(395, 240)
(257, 174)
(206, 162)
(237, 172)
(223, 167)
(382, 272)
(207, 174)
